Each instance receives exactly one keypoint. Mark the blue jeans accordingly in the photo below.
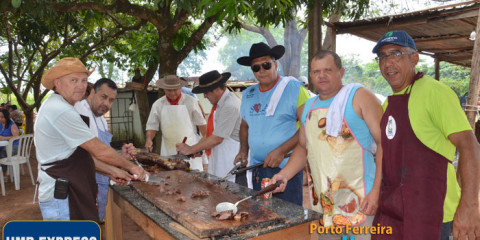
(55, 209)
(102, 196)
(293, 192)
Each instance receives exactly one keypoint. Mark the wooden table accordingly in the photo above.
(158, 225)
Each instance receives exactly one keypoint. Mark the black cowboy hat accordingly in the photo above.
(210, 81)
(259, 50)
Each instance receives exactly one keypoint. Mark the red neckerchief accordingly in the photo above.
(174, 102)
(278, 77)
(210, 127)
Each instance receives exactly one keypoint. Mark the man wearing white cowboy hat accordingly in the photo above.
(222, 139)
(177, 115)
(65, 149)
(269, 125)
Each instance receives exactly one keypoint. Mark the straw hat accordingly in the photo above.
(64, 67)
(170, 82)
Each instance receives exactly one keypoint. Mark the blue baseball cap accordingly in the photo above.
(397, 37)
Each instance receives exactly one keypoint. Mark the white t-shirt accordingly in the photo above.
(58, 131)
(83, 108)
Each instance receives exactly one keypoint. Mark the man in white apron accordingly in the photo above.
(222, 139)
(338, 131)
(99, 102)
(177, 115)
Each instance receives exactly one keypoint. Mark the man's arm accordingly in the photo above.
(117, 174)
(297, 161)
(369, 109)
(106, 154)
(205, 143)
(242, 155)
(149, 139)
(203, 129)
(467, 217)
(276, 156)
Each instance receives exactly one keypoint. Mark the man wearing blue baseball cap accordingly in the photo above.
(422, 127)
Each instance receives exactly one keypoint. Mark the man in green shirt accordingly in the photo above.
(422, 126)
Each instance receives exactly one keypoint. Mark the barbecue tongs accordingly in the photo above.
(236, 169)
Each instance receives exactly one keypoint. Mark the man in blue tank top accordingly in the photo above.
(338, 131)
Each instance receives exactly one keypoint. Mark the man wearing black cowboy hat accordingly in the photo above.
(222, 140)
(269, 112)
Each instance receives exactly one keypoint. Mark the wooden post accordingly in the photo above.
(437, 69)
(472, 100)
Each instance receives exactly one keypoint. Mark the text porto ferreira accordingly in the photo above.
(349, 229)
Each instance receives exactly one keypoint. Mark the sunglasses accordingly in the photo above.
(265, 65)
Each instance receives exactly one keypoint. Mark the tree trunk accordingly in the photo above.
(293, 48)
(293, 43)
(329, 41)
(315, 22)
(472, 100)
(28, 120)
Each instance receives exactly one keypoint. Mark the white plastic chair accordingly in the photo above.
(14, 160)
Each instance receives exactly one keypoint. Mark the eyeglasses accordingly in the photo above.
(265, 65)
(395, 55)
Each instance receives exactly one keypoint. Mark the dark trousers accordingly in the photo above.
(293, 192)
(447, 229)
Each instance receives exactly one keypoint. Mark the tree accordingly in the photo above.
(35, 35)
(178, 27)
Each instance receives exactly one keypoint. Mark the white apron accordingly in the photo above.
(222, 157)
(337, 171)
(175, 125)
(221, 160)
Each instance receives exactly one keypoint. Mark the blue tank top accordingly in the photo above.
(7, 132)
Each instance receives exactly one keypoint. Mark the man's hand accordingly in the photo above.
(369, 205)
(148, 144)
(279, 177)
(183, 148)
(138, 172)
(119, 176)
(274, 158)
(128, 150)
(466, 224)
(241, 157)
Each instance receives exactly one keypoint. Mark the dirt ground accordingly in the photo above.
(18, 205)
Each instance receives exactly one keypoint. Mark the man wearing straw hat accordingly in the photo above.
(65, 149)
(177, 115)
(222, 140)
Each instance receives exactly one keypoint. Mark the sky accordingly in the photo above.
(361, 47)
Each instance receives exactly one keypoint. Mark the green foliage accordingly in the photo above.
(266, 12)
(237, 46)
(352, 9)
(456, 77)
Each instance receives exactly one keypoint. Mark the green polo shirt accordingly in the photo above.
(435, 113)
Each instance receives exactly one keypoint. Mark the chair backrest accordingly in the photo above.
(24, 146)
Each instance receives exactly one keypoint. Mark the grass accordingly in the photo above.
(13, 99)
